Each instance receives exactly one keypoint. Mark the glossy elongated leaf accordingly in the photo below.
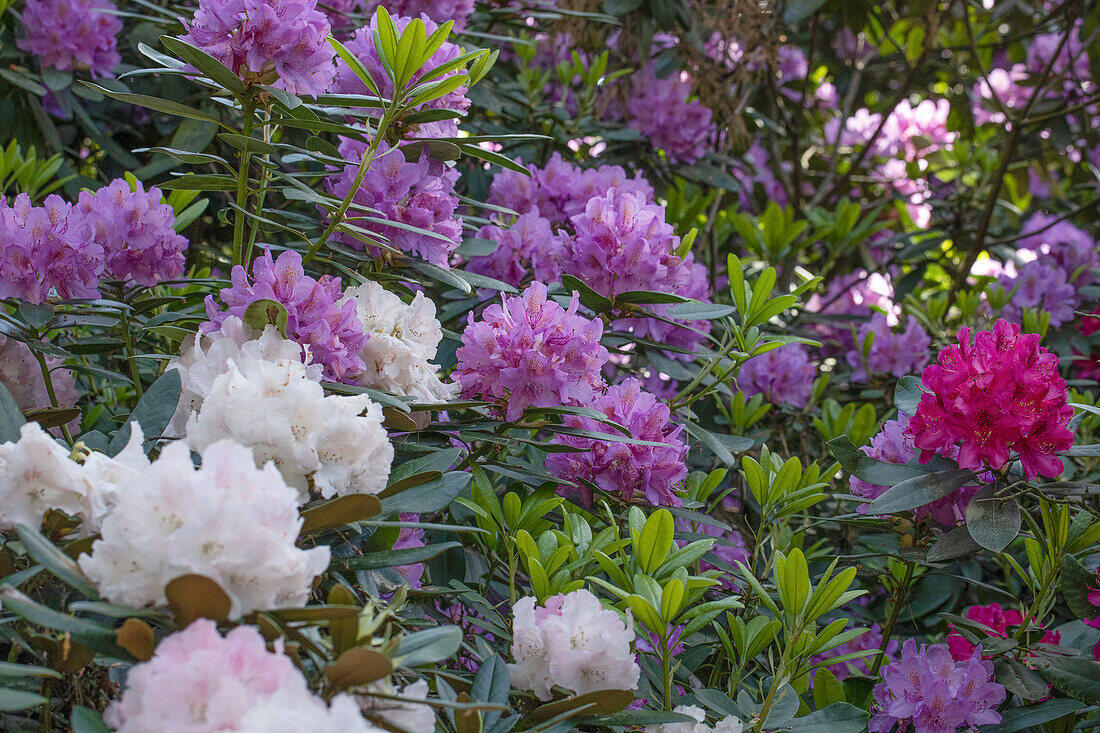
(153, 411)
(920, 490)
(86, 720)
(428, 497)
(11, 700)
(53, 559)
(907, 394)
(1077, 582)
(357, 666)
(1032, 717)
(1072, 676)
(11, 417)
(340, 512)
(428, 646)
(839, 717)
(205, 64)
(155, 103)
(396, 558)
(873, 471)
(992, 521)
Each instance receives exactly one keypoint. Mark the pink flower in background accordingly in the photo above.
(329, 331)
(895, 353)
(1000, 394)
(47, 251)
(625, 469)
(252, 37)
(135, 231)
(662, 110)
(997, 619)
(529, 351)
(784, 376)
(1041, 287)
(72, 35)
(417, 193)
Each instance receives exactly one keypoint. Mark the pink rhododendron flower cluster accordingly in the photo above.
(894, 444)
(663, 111)
(72, 35)
(930, 691)
(892, 352)
(253, 37)
(625, 469)
(418, 193)
(784, 376)
(47, 251)
(134, 228)
(361, 45)
(560, 190)
(328, 329)
(574, 642)
(527, 247)
(529, 351)
(1000, 394)
(21, 373)
(201, 682)
(999, 620)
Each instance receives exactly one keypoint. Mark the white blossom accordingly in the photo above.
(283, 415)
(204, 357)
(227, 520)
(103, 474)
(729, 724)
(403, 341)
(572, 642)
(37, 475)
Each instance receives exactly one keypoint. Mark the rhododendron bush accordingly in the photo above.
(662, 366)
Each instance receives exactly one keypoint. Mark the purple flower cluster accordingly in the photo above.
(1071, 65)
(621, 244)
(407, 538)
(561, 190)
(1000, 89)
(47, 251)
(527, 247)
(730, 547)
(416, 193)
(892, 352)
(1068, 256)
(894, 445)
(438, 10)
(72, 35)
(785, 376)
(361, 45)
(135, 231)
(329, 330)
(932, 692)
(529, 351)
(663, 111)
(625, 469)
(871, 640)
(255, 37)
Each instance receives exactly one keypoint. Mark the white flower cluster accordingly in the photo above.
(200, 682)
(572, 642)
(258, 392)
(205, 357)
(403, 341)
(729, 724)
(228, 520)
(37, 474)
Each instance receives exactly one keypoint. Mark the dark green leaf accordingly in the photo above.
(993, 521)
(428, 646)
(1077, 583)
(46, 554)
(153, 411)
(1074, 677)
(907, 394)
(920, 490)
(206, 64)
(11, 700)
(1031, 717)
(857, 463)
(11, 417)
(396, 558)
(85, 720)
(839, 717)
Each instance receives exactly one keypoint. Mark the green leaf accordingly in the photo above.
(11, 700)
(153, 411)
(11, 417)
(85, 720)
(827, 689)
(155, 103)
(11, 669)
(920, 490)
(46, 554)
(1076, 582)
(635, 717)
(992, 521)
(396, 558)
(654, 541)
(589, 297)
(857, 463)
(205, 64)
(907, 394)
(250, 144)
(428, 497)
(1074, 677)
(428, 646)
(837, 718)
(263, 313)
(1031, 717)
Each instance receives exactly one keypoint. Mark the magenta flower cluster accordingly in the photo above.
(892, 352)
(625, 469)
(417, 193)
(662, 109)
(929, 690)
(529, 351)
(785, 376)
(135, 230)
(894, 445)
(72, 35)
(255, 37)
(999, 395)
(329, 330)
(47, 251)
(361, 45)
